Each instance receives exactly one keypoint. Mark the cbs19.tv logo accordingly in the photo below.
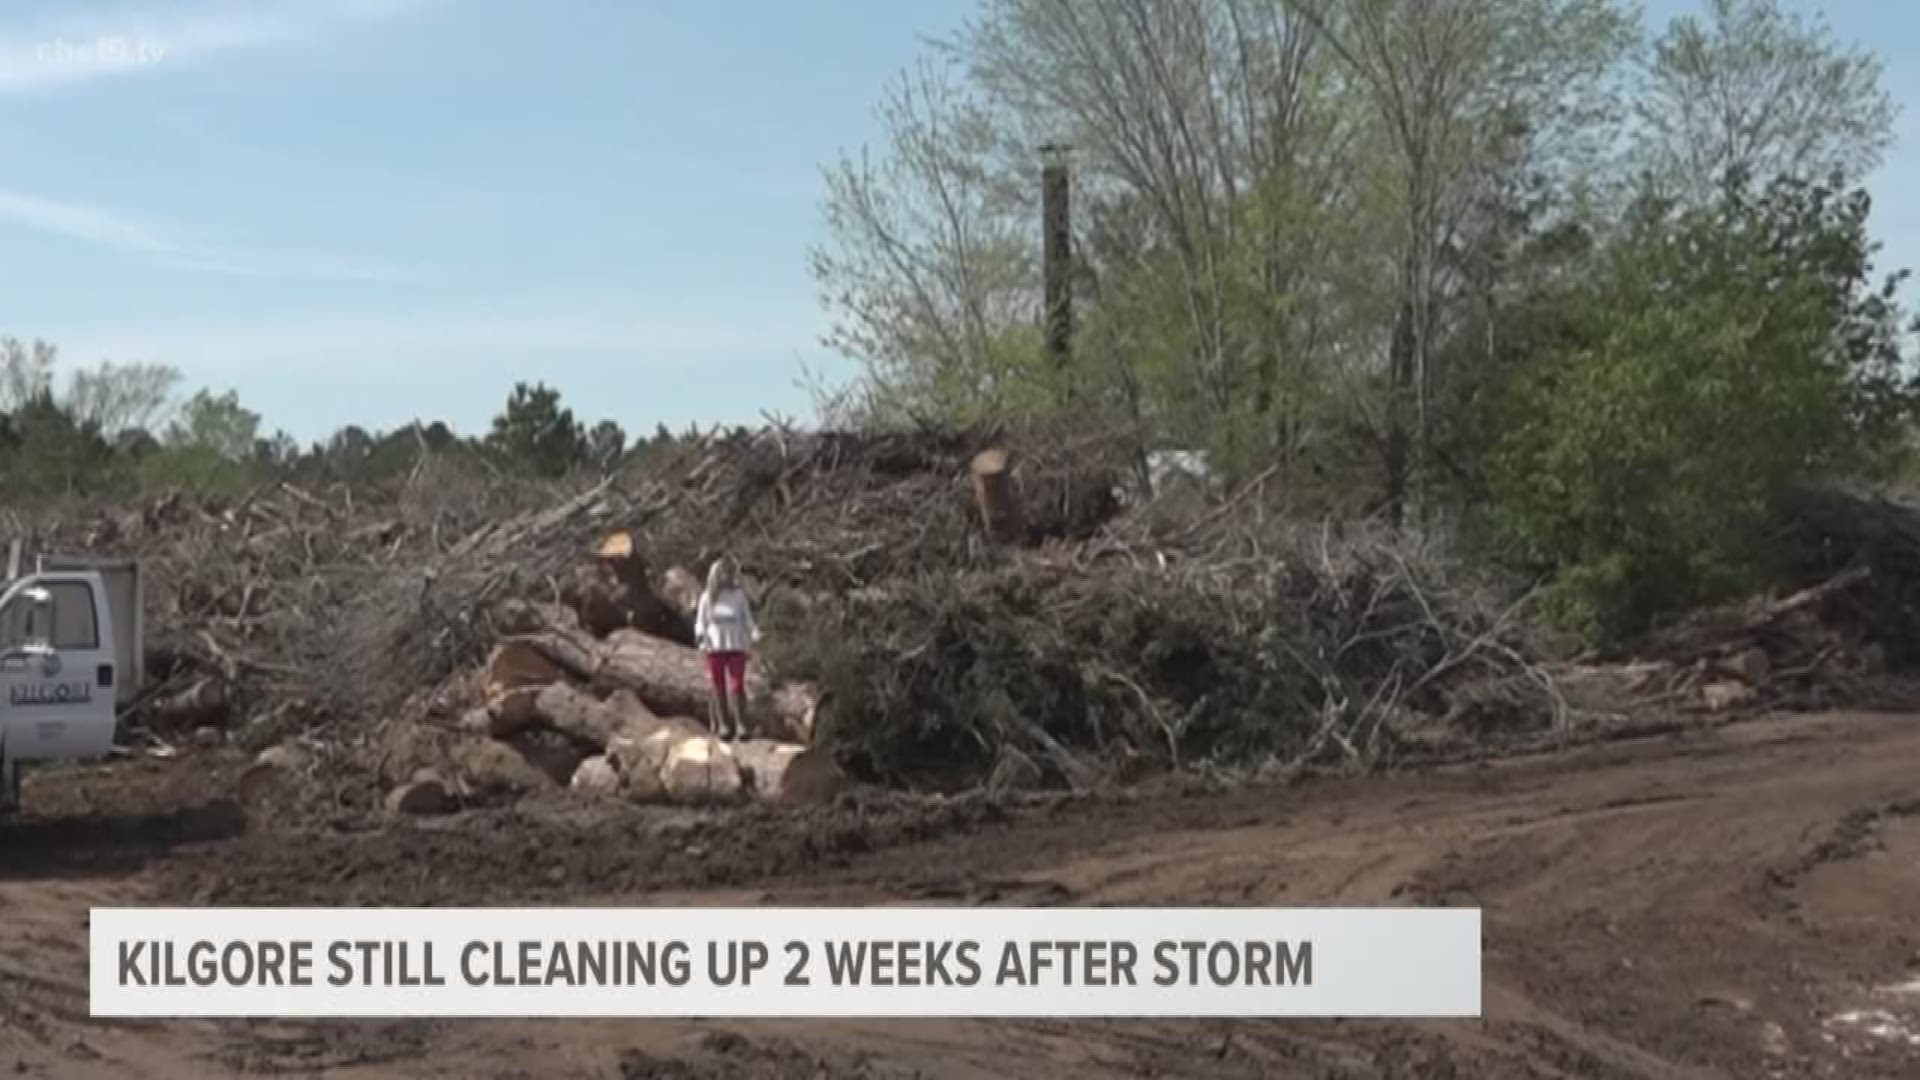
(101, 52)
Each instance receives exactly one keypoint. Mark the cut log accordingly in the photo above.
(768, 765)
(596, 776)
(423, 795)
(573, 650)
(700, 770)
(510, 713)
(515, 665)
(672, 680)
(270, 772)
(489, 766)
(639, 772)
(793, 714)
(517, 617)
(641, 750)
(812, 778)
(1752, 665)
(617, 545)
(616, 593)
(258, 781)
(577, 714)
(550, 753)
(590, 596)
(1726, 695)
(201, 704)
(636, 744)
(681, 590)
(996, 497)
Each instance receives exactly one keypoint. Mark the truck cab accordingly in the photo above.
(59, 674)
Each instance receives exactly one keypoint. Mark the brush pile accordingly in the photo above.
(1840, 629)
(942, 610)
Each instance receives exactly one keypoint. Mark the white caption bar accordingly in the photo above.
(785, 962)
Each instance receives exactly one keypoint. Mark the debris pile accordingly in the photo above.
(1078, 674)
(943, 609)
(1841, 628)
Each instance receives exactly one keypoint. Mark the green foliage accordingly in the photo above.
(605, 445)
(46, 451)
(534, 432)
(1717, 357)
(117, 432)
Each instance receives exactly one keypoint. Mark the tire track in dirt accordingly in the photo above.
(1703, 906)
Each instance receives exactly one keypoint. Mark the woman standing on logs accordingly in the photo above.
(724, 627)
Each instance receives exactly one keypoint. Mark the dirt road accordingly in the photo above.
(1742, 903)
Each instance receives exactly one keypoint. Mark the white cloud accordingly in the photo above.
(161, 246)
(79, 48)
(77, 222)
(569, 332)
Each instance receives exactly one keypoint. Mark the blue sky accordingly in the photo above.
(374, 210)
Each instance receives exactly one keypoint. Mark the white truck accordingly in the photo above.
(71, 654)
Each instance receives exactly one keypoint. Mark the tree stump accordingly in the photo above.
(995, 495)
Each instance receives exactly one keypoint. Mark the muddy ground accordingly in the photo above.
(1742, 902)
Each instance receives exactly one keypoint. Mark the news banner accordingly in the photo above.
(785, 962)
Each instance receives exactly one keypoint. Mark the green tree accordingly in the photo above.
(218, 424)
(116, 396)
(534, 431)
(26, 372)
(1719, 356)
(49, 452)
(927, 277)
(111, 396)
(210, 445)
(606, 445)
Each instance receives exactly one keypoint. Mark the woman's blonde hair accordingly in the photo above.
(721, 575)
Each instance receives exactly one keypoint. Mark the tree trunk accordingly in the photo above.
(573, 650)
(511, 713)
(489, 766)
(681, 590)
(515, 617)
(787, 773)
(616, 594)
(638, 749)
(510, 684)
(1400, 362)
(702, 769)
(515, 665)
(199, 705)
(578, 715)
(994, 494)
(672, 680)
(596, 776)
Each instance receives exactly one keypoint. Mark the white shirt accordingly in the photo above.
(724, 622)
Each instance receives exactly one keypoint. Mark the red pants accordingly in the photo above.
(727, 667)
